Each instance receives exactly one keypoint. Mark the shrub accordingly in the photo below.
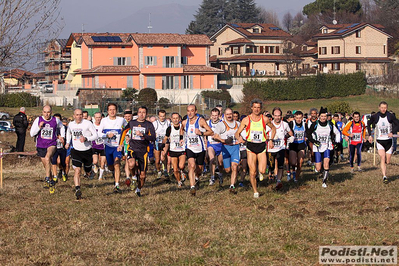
(19, 99)
(315, 87)
(129, 94)
(222, 95)
(147, 97)
(164, 103)
(339, 107)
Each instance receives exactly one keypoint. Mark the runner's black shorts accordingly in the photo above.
(297, 147)
(80, 158)
(272, 156)
(256, 147)
(243, 155)
(42, 152)
(99, 152)
(159, 146)
(175, 154)
(199, 157)
(140, 157)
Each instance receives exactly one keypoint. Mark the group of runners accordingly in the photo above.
(261, 143)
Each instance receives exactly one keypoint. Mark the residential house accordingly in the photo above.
(17, 78)
(248, 49)
(347, 48)
(139, 60)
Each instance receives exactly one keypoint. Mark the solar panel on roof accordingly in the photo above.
(103, 38)
(117, 39)
(342, 31)
(95, 39)
(353, 25)
(235, 25)
(274, 28)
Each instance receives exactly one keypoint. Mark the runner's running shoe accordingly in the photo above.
(211, 181)
(193, 191)
(324, 185)
(261, 177)
(279, 185)
(117, 190)
(288, 177)
(385, 180)
(232, 189)
(78, 194)
(256, 195)
(128, 182)
(64, 177)
(46, 182)
(52, 186)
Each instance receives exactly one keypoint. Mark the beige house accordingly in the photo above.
(252, 49)
(347, 48)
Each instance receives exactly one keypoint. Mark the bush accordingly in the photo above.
(129, 94)
(222, 95)
(19, 99)
(147, 97)
(339, 107)
(315, 87)
(164, 103)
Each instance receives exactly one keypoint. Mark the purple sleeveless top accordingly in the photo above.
(48, 134)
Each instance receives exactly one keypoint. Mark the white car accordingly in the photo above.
(4, 116)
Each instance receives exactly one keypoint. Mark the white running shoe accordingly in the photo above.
(256, 195)
(261, 177)
(324, 185)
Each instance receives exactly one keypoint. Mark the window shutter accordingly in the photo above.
(155, 60)
(177, 61)
(191, 82)
(181, 82)
(277, 49)
(163, 82)
(163, 63)
(261, 49)
(231, 49)
(319, 50)
(176, 82)
(339, 49)
(146, 60)
(332, 49)
(129, 61)
(239, 50)
(115, 61)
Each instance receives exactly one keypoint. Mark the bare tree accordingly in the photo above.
(287, 21)
(24, 23)
(268, 16)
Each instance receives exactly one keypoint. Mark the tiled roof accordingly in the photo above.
(109, 69)
(17, 73)
(169, 39)
(269, 58)
(354, 59)
(201, 68)
(346, 29)
(238, 41)
(86, 38)
(312, 51)
(268, 30)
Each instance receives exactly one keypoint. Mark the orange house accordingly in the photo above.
(141, 60)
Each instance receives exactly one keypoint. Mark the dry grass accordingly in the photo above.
(169, 227)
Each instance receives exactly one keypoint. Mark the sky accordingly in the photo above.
(106, 15)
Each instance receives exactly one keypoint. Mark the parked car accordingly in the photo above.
(4, 116)
(6, 126)
(48, 88)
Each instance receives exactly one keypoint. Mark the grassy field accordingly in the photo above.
(167, 226)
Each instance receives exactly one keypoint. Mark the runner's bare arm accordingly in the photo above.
(242, 126)
(203, 124)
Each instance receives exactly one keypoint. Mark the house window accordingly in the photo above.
(184, 46)
(123, 47)
(277, 49)
(267, 49)
(120, 61)
(151, 82)
(166, 46)
(150, 60)
(167, 83)
(336, 66)
(109, 47)
(186, 82)
(169, 61)
(358, 35)
(358, 66)
(358, 49)
(304, 48)
(256, 30)
(335, 50)
(325, 31)
(305, 66)
(323, 50)
(149, 46)
(384, 48)
(184, 60)
(220, 51)
(235, 50)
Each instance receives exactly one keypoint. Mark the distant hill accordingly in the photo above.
(169, 18)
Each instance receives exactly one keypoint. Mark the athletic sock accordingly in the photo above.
(138, 190)
(116, 184)
(325, 176)
(77, 187)
(101, 173)
(134, 178)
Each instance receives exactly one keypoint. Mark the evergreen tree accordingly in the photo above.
(214, 14)
(326, 6)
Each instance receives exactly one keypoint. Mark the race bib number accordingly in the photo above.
(278, 143)
(299, 135)
(384, 131)
(357, 136)
(256, 136)
(177, 146)
(160, 138)
(76, 134)
(141, 130)
(193, 141)
(99, 141)
(46, 133)
(323, 139)
(59, 144)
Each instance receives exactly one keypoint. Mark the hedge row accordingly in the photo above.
(18, 100)
(314, 87)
